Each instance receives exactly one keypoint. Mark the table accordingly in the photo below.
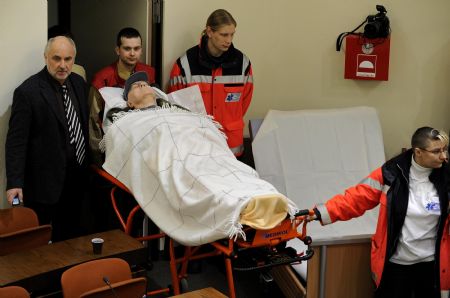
(39, 270)
(203, 293)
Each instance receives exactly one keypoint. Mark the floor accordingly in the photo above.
(211, 273)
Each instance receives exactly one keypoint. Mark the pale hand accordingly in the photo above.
(12, 193)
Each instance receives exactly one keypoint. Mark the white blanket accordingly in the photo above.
(179, 168)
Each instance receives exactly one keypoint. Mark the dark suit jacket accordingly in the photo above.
(36, 144)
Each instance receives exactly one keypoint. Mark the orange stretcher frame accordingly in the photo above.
(229, 248)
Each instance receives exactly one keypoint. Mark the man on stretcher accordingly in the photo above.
(180, 170)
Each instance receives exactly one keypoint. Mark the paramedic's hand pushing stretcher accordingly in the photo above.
(315, 216)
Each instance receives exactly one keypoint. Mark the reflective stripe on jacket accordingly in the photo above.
(388, 186)
(226, 87)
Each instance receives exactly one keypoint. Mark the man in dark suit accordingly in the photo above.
(46, 156)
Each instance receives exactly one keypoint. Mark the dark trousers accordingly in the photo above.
(64, 215)
(408, 281)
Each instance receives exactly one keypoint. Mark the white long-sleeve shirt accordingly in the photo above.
(418, 235)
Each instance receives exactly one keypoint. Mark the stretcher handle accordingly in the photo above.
(303, 212)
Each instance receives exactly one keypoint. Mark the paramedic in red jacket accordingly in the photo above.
(223, 73)
(129, 51)
(410, 254)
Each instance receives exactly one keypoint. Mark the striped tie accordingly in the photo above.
(75, 133)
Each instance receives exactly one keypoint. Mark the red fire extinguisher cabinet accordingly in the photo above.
(366, 59)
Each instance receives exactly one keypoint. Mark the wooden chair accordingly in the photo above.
(109, 277)
(20, 230)
(13, 292)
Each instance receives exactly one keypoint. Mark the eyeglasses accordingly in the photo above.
(438, 151)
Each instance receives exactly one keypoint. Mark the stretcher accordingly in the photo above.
(260, 250)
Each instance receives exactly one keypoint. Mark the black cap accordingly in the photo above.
(135, 77)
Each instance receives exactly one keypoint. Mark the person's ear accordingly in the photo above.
(417, 152)
(209, 31)
(117, 51)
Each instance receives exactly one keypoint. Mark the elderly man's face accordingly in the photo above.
(141, 95)
(431, 156)
(60, 58)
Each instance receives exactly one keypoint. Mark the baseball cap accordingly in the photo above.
(135, 77)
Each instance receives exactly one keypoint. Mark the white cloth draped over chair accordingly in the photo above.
(311, 155)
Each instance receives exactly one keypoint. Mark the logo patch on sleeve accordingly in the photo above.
(233, 97)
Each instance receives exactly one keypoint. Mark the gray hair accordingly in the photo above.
(51, 40)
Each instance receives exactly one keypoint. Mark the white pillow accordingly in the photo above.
(113, 97)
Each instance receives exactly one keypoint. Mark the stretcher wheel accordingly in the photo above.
(308, 240)
(184, 286)
(281, 246)
(290, 251)
(171, 291)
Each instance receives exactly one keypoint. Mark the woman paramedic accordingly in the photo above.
(410, 255)
(223, 74)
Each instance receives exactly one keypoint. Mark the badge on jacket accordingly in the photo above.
(432, 205)
(233, 97)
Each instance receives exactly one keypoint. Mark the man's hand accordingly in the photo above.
(12, 193)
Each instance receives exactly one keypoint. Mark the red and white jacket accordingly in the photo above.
(388, 186)
(226, 85)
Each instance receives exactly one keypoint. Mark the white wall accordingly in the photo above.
(292, 48)
(23, 31)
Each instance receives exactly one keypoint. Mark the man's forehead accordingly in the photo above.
(130, 41)
(63, 53)
(61, 48)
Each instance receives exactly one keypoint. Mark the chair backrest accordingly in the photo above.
(94, 275)
(130, 288)
(13, 292)
(20, 230)
(17, 218)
